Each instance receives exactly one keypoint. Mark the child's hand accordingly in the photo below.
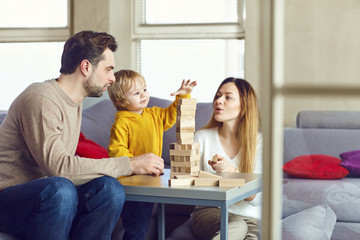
(186, 87)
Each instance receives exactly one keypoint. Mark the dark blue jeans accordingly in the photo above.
(53, 208)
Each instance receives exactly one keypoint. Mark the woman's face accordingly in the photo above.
(227, 104)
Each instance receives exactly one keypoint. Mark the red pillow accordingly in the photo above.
(90, 149)
(315, 166)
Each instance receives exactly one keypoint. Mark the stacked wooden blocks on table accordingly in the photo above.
(205, 179)
(185, 154)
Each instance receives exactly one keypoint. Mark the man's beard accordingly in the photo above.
(92, 90)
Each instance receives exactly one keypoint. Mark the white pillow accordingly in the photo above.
(315, 223)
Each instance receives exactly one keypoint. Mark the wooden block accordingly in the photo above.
(188, 101)
(185, 129)
(184, 135)
(232, 182)
(214, 159)
(183, 164)
(203, 174)
(177, 146)
(186, 108)
(193, 158)
(186, 123)
(183, 152)
(194, 171)
(181, 182)
(185, 140)
(184, 176)
(206, 182)
(186, 113)
(175, 173)
(184, 118)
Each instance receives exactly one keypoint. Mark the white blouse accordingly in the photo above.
(209, 146)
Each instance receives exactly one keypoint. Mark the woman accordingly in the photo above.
(233, 135)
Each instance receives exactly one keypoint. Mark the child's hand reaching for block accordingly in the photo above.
(186, 87)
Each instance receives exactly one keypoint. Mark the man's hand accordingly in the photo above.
(222, 165)
(147, 163)
(186, 87)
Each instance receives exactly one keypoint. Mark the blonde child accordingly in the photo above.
(138, 129)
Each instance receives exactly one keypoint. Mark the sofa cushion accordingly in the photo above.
(341, 195)
(290, 207)
(316, 166)
(328, 119)
(351, 161)
(349, 229)
(314, 223)
(90, 149)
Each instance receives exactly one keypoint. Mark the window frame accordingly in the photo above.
(50, 34)
(185, 31)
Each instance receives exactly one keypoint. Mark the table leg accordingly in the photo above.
(224, 222)
(161, 221)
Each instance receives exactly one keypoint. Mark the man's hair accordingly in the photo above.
(124, 80)
(85, 45)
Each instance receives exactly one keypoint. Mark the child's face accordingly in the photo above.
(138, 97)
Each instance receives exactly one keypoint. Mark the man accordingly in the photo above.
(46, 192)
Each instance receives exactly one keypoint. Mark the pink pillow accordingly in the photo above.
(315, 166)
(90, 149)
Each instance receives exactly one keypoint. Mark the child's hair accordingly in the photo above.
(248, 124)
(124, 80)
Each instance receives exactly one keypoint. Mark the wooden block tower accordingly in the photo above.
(185, 154)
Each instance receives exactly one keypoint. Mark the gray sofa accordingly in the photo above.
(329, 133)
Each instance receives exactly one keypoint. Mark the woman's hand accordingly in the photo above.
(186, 87)
(222, 165)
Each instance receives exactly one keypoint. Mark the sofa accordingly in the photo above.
(328, 134)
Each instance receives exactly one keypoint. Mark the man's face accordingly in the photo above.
(102, 75)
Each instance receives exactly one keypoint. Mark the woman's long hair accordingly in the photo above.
(248, 123)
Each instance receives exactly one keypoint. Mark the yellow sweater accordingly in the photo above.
(133, 134)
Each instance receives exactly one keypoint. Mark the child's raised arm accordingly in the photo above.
(186, 87)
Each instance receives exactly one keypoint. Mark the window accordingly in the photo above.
(206, 44)
(31, 43)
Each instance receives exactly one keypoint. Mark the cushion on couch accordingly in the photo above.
(90, 149)
(311, 224)
(351, 161)
(315, 166)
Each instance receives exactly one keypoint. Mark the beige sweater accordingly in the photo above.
(39, 136)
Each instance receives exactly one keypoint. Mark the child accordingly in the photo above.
(138, 129)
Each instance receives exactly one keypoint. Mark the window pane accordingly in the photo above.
(34, 13)
(165, 63)
(25, 63)
(190, 11)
